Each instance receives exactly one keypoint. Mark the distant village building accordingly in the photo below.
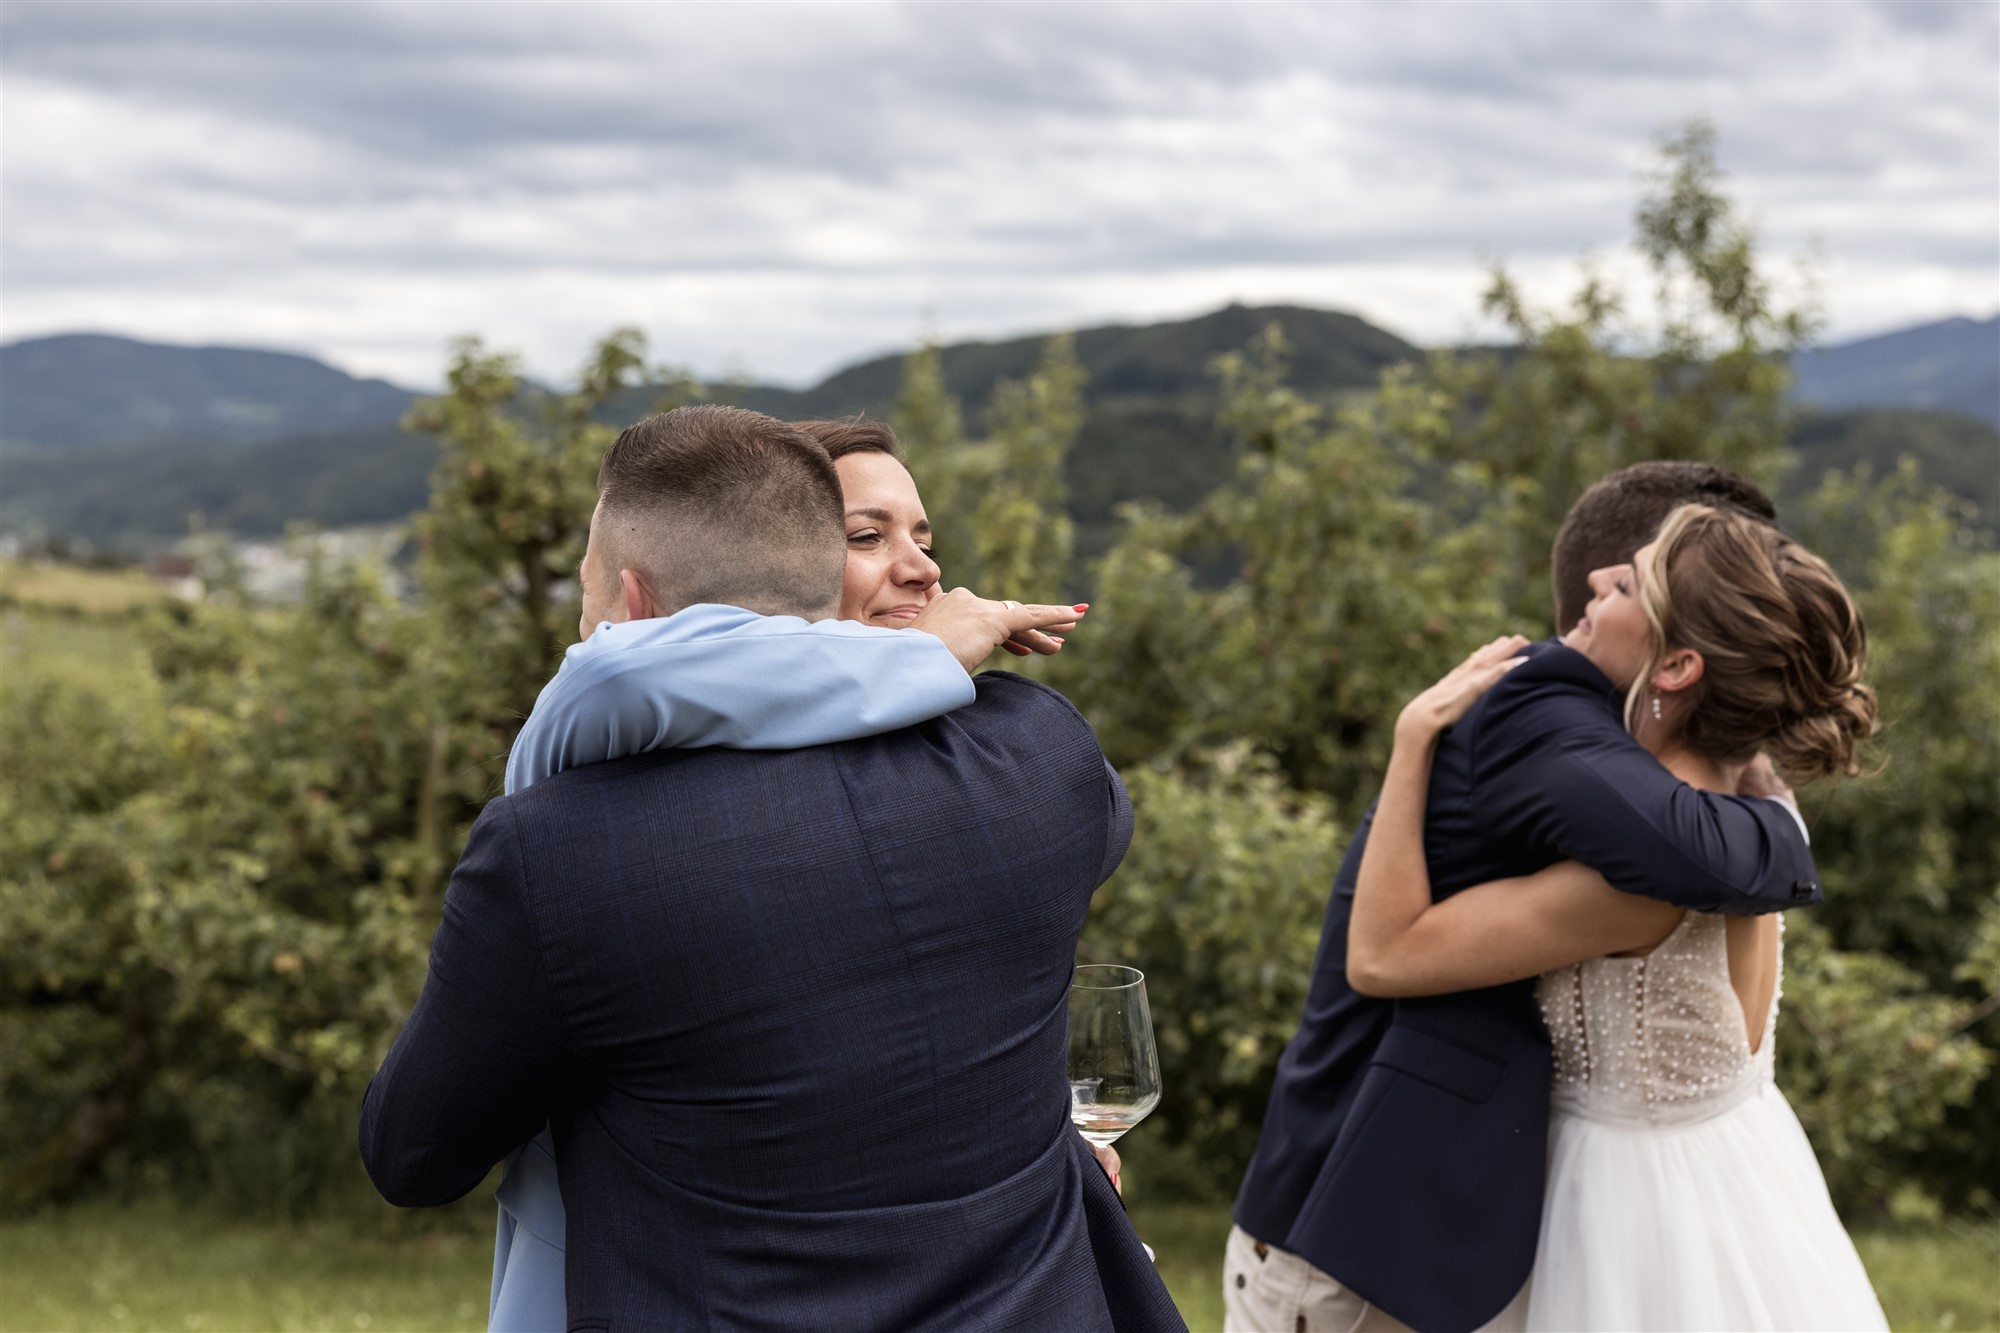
(175, 575)
(275, 571)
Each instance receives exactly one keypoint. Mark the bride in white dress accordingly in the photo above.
(1682, 1193)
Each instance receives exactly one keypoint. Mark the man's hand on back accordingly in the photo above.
(1760, 778)
(973, 626)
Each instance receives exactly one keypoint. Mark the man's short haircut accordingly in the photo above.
(720, 504)
(856, 435)
(1618, 515)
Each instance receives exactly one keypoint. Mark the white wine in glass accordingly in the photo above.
(1114, 1068)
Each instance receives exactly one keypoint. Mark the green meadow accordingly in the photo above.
(74, 624)
(167, 1267)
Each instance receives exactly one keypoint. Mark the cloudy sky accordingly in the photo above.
(780, 189)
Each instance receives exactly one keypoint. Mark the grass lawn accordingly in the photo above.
(100, 591)
(161, 1267)
(104, 656)
(1187, 1244)
(1938, 1277)
(74, 624)
(169, 1268)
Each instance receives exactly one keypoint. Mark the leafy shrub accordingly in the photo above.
(1219, 903)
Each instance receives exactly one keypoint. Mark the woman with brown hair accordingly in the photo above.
(1682, 1193)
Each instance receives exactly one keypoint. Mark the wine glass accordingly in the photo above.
(1114, 1068)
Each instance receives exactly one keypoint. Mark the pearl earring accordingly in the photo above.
(1656, 708)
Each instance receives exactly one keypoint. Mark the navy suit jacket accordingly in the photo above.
(1403, 1149)
(798, 1020)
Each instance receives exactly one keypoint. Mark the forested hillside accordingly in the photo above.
(1149, 430)
(1951, 450)
(120, 444)
(95, 389)
(137, 497)
(1952, 365)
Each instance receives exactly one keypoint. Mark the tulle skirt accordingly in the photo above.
(1723, 1223)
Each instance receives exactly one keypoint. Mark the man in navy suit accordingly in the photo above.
(1398, 1177)
(797, 1018)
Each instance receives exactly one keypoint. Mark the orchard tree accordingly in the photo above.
(930, 429)
(1020, 532)
(1581, 392)
(1912, 856)
(512, 495)
(220, 889)
(998, 505)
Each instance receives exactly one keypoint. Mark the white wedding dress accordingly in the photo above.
(1682, 1193)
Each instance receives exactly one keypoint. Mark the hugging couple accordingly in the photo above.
(757, 975)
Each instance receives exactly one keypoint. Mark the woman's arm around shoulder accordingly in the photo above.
(1400, 943)
(715, 675)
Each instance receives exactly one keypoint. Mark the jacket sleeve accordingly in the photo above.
(1553, 765)
(475, 1070)
(704, 677)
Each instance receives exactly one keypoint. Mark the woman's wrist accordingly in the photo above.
(1418, 727)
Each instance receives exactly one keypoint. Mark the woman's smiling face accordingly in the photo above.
(1614, 632)
(890, 574)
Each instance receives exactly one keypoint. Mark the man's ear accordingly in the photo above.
(639, 601)
(1681, 669)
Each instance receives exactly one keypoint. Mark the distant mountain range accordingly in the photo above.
(105, 442)
(93, 388)
(117, 441)
(1329, 350)
(1950, 366)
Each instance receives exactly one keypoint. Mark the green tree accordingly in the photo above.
(511, 498)
(217, 916)
(1348, 585)
(1875, 1061)
(1581, 392)
(1912, 857)
(931, 430)
(1021, 536)
(220, 894)
(999, 504)
(1219, 903)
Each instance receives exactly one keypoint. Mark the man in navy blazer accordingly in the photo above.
(1398, 1177)
(797, 1018)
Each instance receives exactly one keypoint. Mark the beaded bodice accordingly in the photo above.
(1654, 1040)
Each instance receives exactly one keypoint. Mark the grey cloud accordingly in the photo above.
(969, 143)
(1933, 16)
(442, 82)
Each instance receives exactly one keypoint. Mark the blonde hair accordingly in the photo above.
(1782, 644)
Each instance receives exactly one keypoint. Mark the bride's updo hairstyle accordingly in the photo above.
(1782, 644)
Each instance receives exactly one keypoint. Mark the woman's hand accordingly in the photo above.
(973, 626)
(1035, 641)
(1107, 1157)
(1447, 701)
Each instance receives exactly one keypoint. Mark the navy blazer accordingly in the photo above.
(1403, 1148)
(798, 1020)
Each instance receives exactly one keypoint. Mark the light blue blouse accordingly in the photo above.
(705, 676)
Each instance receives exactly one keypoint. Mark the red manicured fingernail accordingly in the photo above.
(1081, 606)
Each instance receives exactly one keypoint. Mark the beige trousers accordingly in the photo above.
(1267, 1290)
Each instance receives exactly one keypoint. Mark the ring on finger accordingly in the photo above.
(1011, 605)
